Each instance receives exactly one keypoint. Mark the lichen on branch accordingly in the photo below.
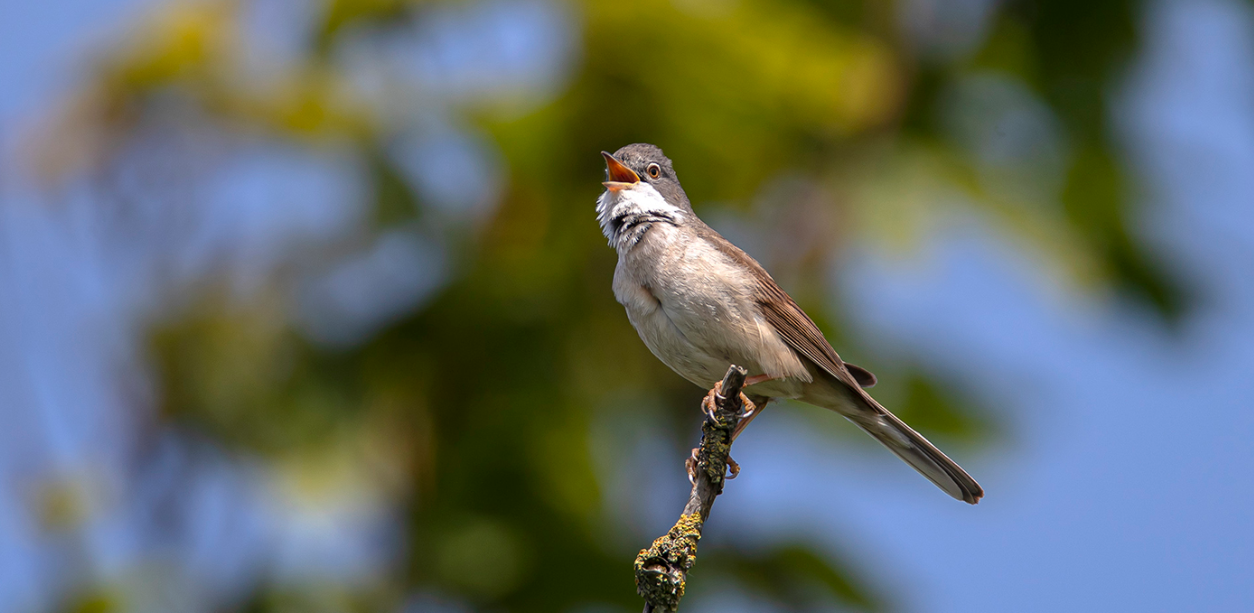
(662, 569)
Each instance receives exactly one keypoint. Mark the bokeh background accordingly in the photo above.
(303, 306)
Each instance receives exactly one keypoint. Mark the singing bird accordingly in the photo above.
(701, 304)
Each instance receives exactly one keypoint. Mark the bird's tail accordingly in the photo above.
(910, 446)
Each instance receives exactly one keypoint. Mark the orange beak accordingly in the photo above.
(621, 177)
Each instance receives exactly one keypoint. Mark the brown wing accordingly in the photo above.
(797, 329)
(800, 332)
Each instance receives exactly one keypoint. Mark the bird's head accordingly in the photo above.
(640, 180)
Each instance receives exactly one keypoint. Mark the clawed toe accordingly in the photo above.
(750, 408)
(751, 411)
(691, 465)
(709, 407)
(709, 404)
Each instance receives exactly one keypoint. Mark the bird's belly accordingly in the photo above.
(700, 348)
(729, 330)
(674, 349)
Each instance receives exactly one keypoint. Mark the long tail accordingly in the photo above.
(910, 446)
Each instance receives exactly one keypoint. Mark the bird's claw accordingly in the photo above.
(750, 408)
(691, 465)
(709, 404)
(751, 411)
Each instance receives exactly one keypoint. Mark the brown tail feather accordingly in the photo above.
(915, 450)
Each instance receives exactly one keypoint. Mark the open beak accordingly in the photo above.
(621, 177)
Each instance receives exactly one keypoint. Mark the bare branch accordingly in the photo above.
(662, 568)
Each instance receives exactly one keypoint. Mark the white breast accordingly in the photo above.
(639, 199)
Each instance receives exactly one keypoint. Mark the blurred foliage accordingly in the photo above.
(471, 413)
(793, 577)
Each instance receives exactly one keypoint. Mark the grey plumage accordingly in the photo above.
(700, 303)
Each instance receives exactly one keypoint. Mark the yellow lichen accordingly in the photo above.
(660, 569)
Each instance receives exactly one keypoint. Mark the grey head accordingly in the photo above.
(645, 160)
(641, 190)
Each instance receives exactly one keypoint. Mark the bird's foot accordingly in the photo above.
(751, 411)
(691, 465)
(709, 404)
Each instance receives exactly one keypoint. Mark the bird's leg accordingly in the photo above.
(751, 412)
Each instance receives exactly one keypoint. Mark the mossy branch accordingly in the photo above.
(662, 568)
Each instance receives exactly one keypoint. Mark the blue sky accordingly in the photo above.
(1121, 481)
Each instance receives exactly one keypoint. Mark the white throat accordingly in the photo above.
(625, 215)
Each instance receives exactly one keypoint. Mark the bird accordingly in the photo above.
(700, 304)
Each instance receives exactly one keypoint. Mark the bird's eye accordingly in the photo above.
(654, 170)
